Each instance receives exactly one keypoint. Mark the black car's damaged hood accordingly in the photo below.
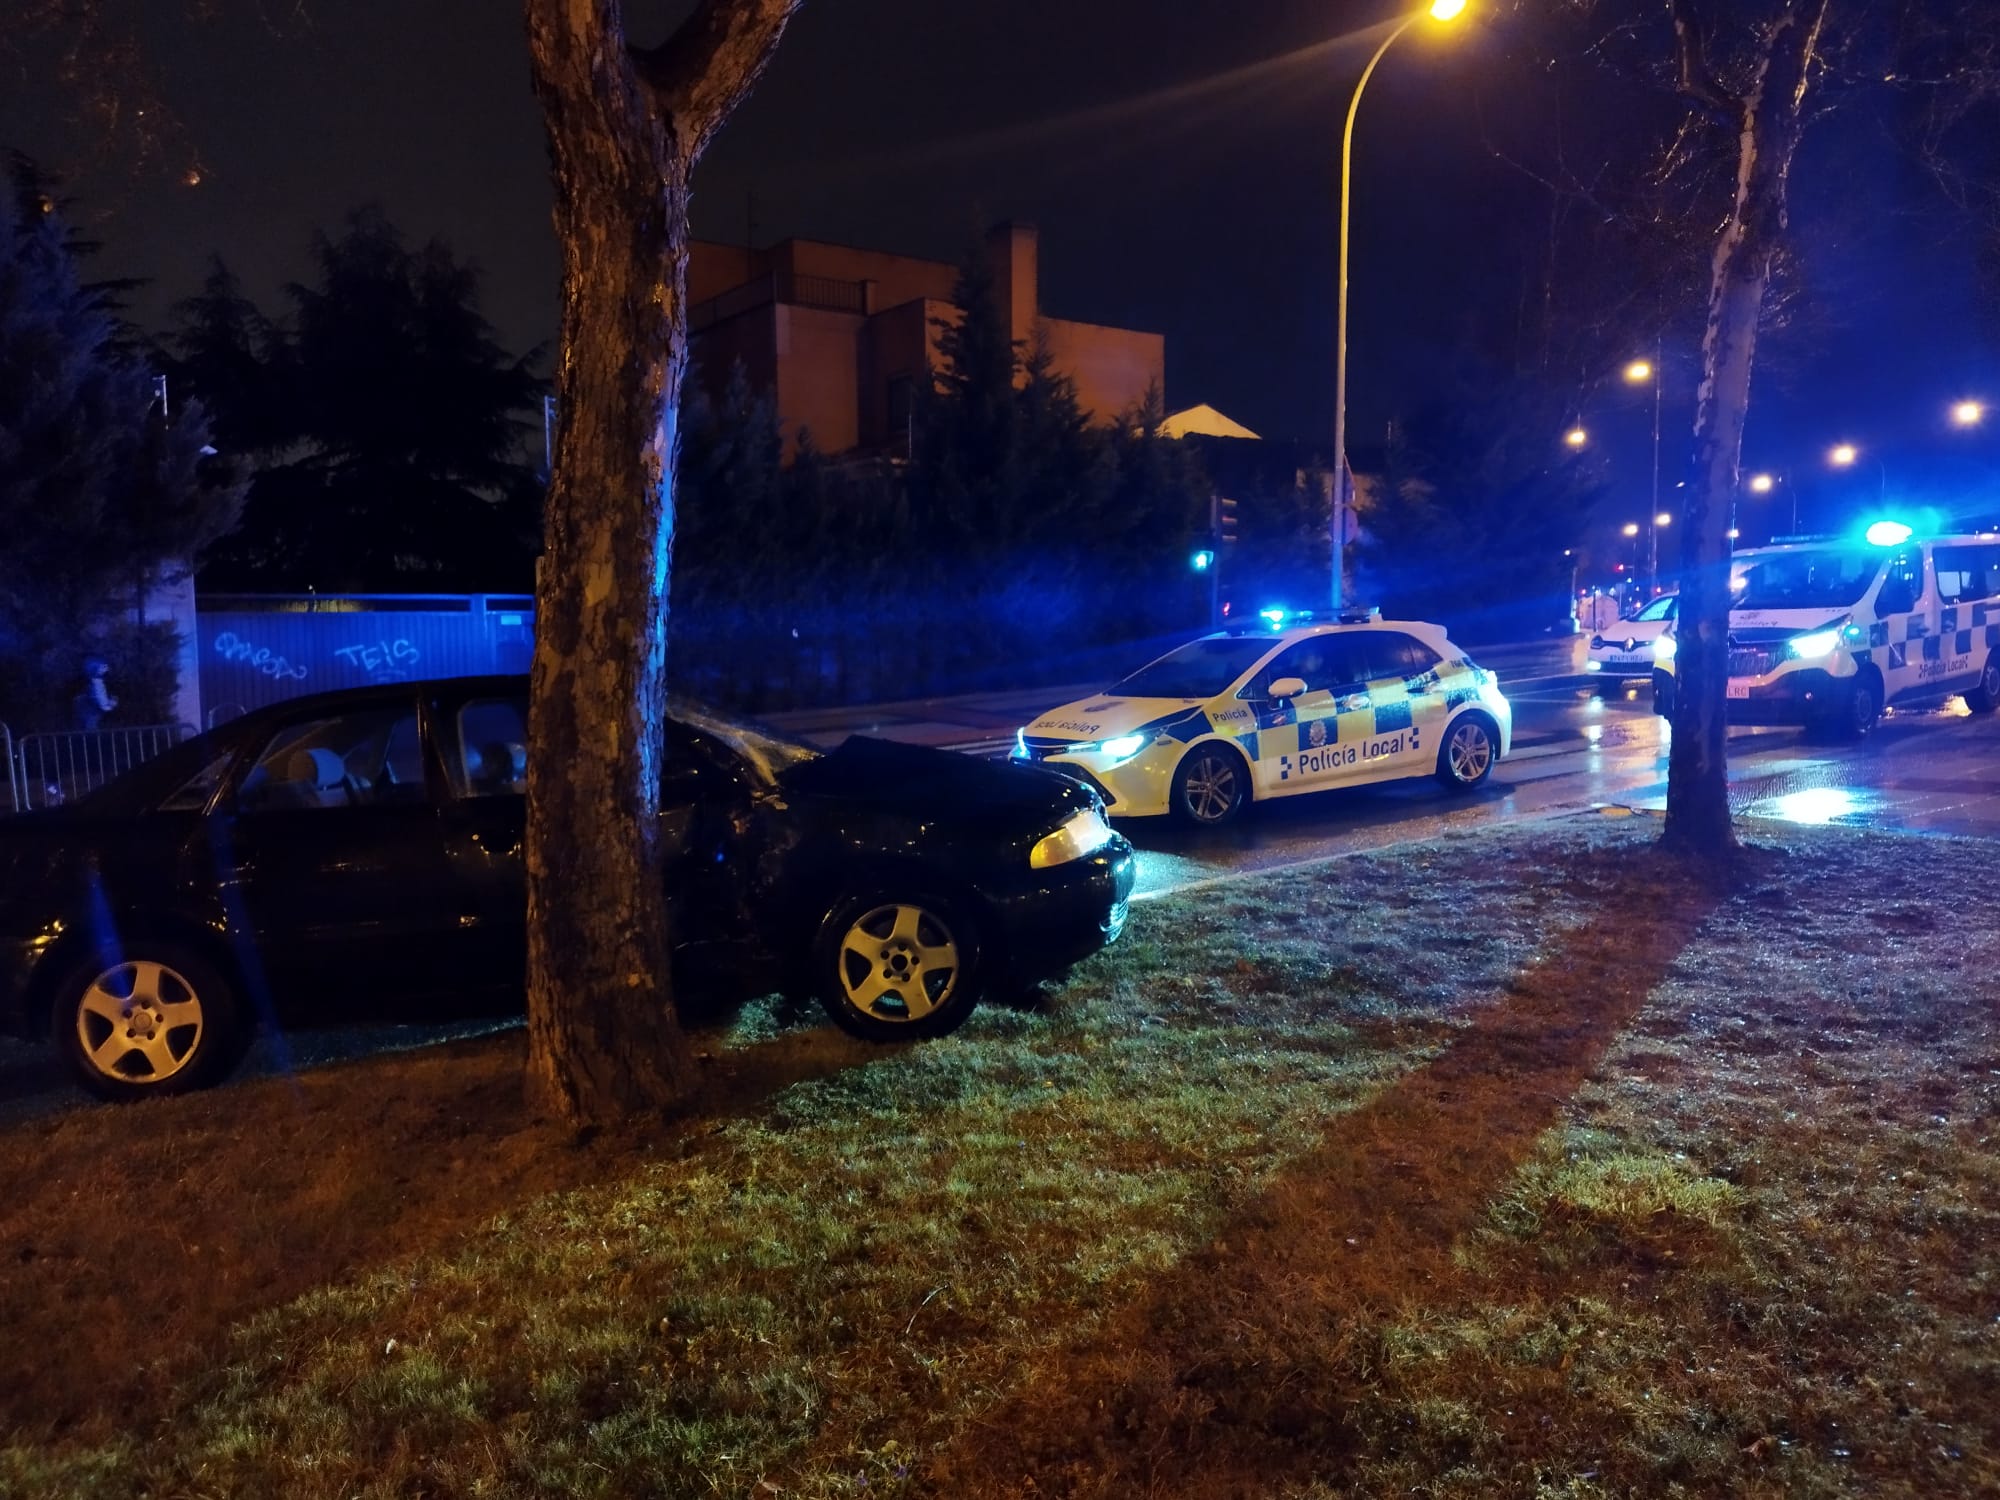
(939, 785)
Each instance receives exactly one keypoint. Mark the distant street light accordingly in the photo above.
(1631, 528)
(1842, 455)
(1576, 437)
(1968, 413)
(1663, 519)
(1440, 10)
(1638, 373)
(1760, 484)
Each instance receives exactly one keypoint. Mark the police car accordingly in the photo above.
(1279, 708)
(1625, 649)
(1828, 632)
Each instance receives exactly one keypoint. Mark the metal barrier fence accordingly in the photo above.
(47, 770)
(9, 783)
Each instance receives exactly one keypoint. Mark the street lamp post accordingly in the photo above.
(1638, 372)
(1440, 10)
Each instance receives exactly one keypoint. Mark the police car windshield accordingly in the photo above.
(1201, 669)
(1822, 579)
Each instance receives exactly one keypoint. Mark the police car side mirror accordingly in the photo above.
(1288, 687)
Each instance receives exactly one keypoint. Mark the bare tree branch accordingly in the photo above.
(1697, 79)
(707, 67)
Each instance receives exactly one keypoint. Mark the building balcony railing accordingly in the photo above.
(826, 292)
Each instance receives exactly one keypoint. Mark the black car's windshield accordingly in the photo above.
(1825, 578)
(1200, 669)
(768, 750)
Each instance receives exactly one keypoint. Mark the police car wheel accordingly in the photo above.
(1469, 750)
(891, 964)
(1211, 784)
(1857, 714)
(1986, 697)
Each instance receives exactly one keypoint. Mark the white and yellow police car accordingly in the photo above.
(1279, 708)
(1828, 632)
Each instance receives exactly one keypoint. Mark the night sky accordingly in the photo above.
(1181, 171)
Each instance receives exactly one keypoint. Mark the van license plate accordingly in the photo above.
(1739, 689)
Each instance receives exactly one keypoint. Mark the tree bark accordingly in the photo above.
(625, 128)
(1768, 123)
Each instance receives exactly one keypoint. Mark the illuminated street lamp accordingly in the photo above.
(1639, 372)
(1439, 10)
(1663, 519)
(1760, 484)
(1842, 455)
(1631, 528)
(1968, 413)
(1576, 437)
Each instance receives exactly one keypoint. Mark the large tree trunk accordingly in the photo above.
(625, 129)
(1698, 818)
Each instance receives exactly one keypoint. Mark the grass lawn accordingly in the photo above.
(1519, 1163)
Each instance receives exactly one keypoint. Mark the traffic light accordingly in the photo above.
(1203, 559)
(1225, 519)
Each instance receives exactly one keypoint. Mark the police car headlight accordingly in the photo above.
(1080, 836)
(1819, 643)
(1123, 748)
(1664, 648)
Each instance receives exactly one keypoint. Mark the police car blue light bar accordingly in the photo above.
(1888, 534)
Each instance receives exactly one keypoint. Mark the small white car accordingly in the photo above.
(1625, 649)
(1276, 710)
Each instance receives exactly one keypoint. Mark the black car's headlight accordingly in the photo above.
(1081, 835)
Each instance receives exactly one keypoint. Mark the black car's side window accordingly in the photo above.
(490, 758)
(365, 759)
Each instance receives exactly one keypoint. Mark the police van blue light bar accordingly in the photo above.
(1888, 534)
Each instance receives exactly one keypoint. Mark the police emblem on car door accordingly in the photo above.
(1322, 744)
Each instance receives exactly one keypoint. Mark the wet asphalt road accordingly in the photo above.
(1581, 745)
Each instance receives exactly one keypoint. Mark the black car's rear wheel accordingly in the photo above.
(893, 964)
(153, 1020)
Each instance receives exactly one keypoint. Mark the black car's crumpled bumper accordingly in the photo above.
(1064, 913)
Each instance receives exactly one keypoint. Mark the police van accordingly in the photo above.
(1827, 633)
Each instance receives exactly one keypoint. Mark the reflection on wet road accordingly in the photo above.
(1930, 772)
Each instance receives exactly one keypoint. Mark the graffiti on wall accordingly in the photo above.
(232, 647)
(383, 661)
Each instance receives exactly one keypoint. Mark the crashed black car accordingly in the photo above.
(357, 856)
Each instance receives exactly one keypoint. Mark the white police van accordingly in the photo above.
(1827, 633)
(1276, 709)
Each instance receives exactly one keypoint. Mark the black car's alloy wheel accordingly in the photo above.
(156, 1020)
(1469, 750)
(1210, 786)
(894, 965)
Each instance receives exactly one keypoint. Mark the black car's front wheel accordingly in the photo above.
(153, 1020)
(894, 964)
